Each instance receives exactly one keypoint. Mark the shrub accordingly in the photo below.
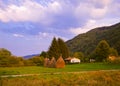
(115, 60)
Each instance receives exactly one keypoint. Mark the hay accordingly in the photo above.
(52, 63)
(60, 63)
(46, 62)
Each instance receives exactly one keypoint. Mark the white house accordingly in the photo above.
(75, 60)
(72, 60)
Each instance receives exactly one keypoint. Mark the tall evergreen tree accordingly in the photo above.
(54, 50)
(63, 48)
(44, 54)
(102, 51)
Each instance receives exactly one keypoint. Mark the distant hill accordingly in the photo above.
(30, 56)
(87, 42)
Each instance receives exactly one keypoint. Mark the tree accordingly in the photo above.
(44, 54)
(13, 61)
(113, 52)
(117, 47)
(4, 53)
(36, 60)
(21, 61)
(63, 48)
(102, 51)
(79, 55)
(4, 57)
(54, 50)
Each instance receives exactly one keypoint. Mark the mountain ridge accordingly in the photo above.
(30, 56)
(86, 42)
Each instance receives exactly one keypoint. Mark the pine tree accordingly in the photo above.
(44, 54)
(64, 51)
(54, 49)
(102, 51)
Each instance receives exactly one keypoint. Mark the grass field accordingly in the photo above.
(91, 78)
(68, 68)
(85, 74)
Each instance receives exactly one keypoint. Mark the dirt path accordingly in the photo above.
(21, 75)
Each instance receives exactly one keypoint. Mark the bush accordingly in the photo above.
(36, 60)
(114, 61)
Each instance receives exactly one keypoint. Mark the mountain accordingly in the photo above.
(87, 42)
(30, 56)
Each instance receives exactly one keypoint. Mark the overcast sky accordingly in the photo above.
(28, 26)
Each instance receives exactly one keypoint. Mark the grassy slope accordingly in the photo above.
(68, 68)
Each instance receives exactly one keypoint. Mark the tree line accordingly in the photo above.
(101, 52)
(8, 60)
(57, 48)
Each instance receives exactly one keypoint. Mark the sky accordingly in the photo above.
(28, 26)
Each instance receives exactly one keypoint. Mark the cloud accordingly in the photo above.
(30, 11)
(60, 15)
(87, 27)
(50, 12)
(92, 9)
(113, 11)
(42, 35)
(94, 13)
(18, 35)
(101, 3)
(98, 12)
(36, 22)
(78, 30)
(91, 24)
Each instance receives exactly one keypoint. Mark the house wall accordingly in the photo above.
(74, 60)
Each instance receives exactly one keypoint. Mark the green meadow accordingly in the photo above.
(68, 68)
(91, 78)
(84, 74)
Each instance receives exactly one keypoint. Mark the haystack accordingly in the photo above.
(52, 63)
(46, 62)
(60, 63)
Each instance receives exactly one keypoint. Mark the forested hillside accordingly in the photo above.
(87, 42)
